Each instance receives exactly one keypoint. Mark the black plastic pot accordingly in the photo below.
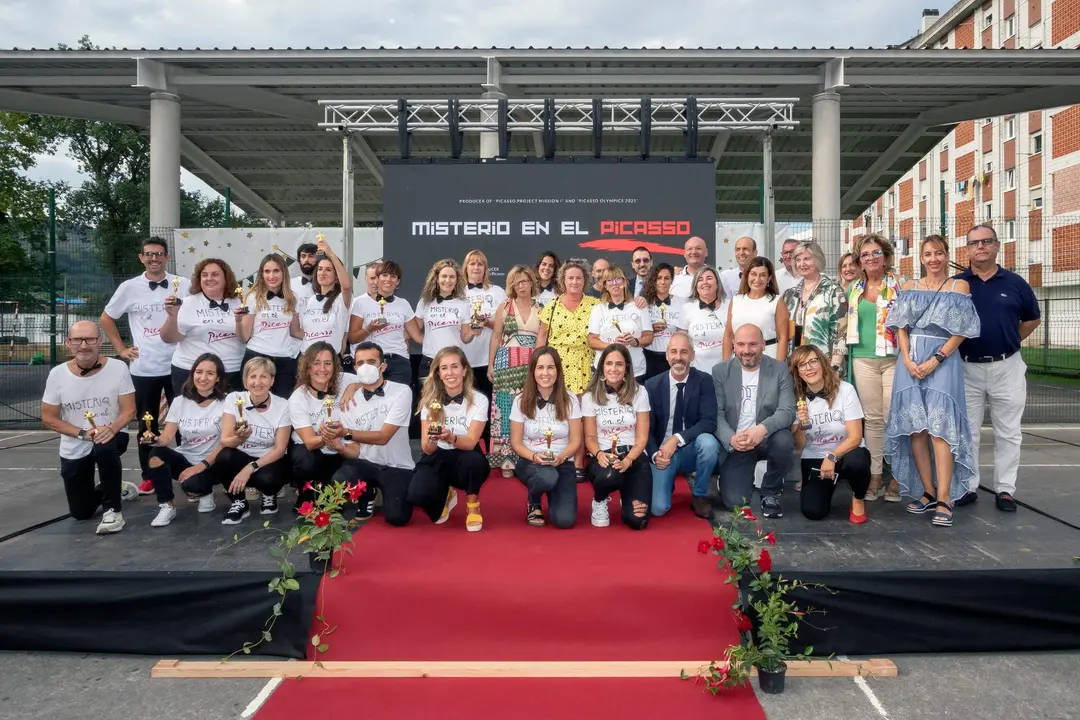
(771, 682)
(319, 567)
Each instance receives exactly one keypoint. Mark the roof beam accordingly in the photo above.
(1027, 101)
(682, 81)
(208, 165)
(994, 77)
(870, 176)
(833, 75)
(55, 106)
(719, 145)
(367, 156)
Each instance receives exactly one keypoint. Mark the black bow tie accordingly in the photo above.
(320, 394)
(387, 298)
(86, 371)
(476, 286)
(163, 284)
(702, 304)
(541, 403)
(305, 281)
(261, 406)
(613, 306)
(447, 400)
(223, 305)
(660, 303)
(546, 288)
(270, 295)
(610, 390)
(811, 395)
(441, 298)
(319, 297)
(368, 394)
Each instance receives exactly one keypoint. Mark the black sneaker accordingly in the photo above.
(365, 507)
(770, 507)
(237, 512)
(968, 498)
(269, 505)
(1005, 502)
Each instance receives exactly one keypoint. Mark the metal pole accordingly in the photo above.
(1046, 334)
(227, 220)
(769, 209)
(347, 195)
(943, 230)
(52, 278)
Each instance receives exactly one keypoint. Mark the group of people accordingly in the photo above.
(571, 374)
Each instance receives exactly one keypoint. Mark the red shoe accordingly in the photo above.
(857, 519)
(146, 487)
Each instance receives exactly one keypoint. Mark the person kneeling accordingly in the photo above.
(452, 418)
(196, 417)
(373, 438)
(615, 413)
(545, 432)
(829, 433)
(254, 438)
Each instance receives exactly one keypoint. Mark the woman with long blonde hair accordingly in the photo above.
(442, 313)
(453, 414)
(265, 320)
(484, 299)
(517, 322)
(618, 320)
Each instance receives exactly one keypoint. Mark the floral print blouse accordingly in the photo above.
(823, 318)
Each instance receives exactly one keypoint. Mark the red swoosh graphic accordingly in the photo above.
(628, 245)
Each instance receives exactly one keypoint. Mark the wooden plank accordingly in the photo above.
(876, 667)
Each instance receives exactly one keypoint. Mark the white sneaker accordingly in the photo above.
(111, 522)
(166, 514)
(600, 515)
(206, 503)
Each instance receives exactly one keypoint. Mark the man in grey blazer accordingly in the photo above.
(755, 411)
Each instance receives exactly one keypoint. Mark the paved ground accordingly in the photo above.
(988, 687)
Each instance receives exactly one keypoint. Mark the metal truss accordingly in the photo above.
(660, 115)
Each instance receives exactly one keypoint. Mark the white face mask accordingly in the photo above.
(368, 374)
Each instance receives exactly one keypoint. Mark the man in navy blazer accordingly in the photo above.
(682, 428)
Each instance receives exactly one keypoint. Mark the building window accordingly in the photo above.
(988, 211)
(1010, 26)
(1036, 143)
(1036, 203)
(988, 121)
(988, 167)
(1010, 229)
(1010, 128)
(988, 20)
(1010, 179)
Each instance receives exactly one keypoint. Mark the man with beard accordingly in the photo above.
(695, 253)
(302, 286)
(755, 400)
(598, 269)
(142, 299)
(682, 424)
(89, 401)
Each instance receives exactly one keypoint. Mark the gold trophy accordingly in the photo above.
(175, 291)
(804, 424)
(239, 293)
(241, 423)
(328, 406)
(477, 323)
(89, 415)
(548, 455)
(434, 418)
(614, 444)
(381, 320)
(662, 325)
(615, 323)
(147, 436)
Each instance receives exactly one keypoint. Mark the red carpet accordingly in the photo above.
(515, 592)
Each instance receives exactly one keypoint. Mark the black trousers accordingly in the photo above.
(179, 377)
(148, 400)
(172, 464)
(268, 479)
(84, 497)
(634, 484)
(312, 466)
(435, 474)
(284, 372)
(737, 470)
(816, 496)
(393, 482)
(655, 363)
(398, 369)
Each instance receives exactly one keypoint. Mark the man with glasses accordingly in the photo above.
(994, 371)
(642, 261)
(142, 299)
(785, 274)
(89, 401)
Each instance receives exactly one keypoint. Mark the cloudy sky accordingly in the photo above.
(449, 23)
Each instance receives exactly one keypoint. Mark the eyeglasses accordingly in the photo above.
(982, 242)
(155, 255)
(84, 341)
(807, 364)
(643, 261)
(614, 281)
(871, 254)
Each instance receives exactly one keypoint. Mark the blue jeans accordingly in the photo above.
(701, 456)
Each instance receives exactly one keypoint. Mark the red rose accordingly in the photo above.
(323, 519)
(748, 514)
(306, 508)
(355, 492)
(742, 623)
(718, 543)
(764, 561)
(703, 547)
(770, 537)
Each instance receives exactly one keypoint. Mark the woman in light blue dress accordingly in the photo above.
(928, 435)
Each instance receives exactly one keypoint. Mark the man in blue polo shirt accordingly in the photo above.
(993, 368)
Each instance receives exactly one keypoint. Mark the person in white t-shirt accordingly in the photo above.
(731, 279)
(663, 310)
(194, 418)
(696, 253)
(547, 269)
(443, 315)
(264, 319)
(704, 318)
(452, 418)
(786, 276)
(484, 299)
(373, 437)
(142, 299)
(255, 431)
(303, 287)
(324, 317)
(759, 302)
(386, 319)
(615, 415)
(205, 322)
(617, 320)
(89, 401)
(546, 433)
(829, 433)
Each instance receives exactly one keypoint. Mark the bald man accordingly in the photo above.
(730, 279)
(696, 252)
(598, 269)
(89, 401)
(755, 402)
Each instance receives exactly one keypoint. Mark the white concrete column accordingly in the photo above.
(826, 174)
(164, 162)
(489, 141)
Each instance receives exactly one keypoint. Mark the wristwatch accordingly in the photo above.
(940, 356)
(82, 434)
(254, 465)
(831, 457)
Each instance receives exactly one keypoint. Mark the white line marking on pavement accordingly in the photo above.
(263, 696)
(860, 681)
(25, 434)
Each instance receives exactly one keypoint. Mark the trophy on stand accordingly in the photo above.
(615, 323)
(381, 320)
(662, 325)
(89, 415)
(176, 291)
(614, 444)
(804, 424)
(320, 239)
(241, 423)
(239, 293)
(477, 323)
(548, 455)
(147, 436)
(328, 408)
(435, 425)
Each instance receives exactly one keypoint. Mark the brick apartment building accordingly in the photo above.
(1019, 172)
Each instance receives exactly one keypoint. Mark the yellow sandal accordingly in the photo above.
(474, 521)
